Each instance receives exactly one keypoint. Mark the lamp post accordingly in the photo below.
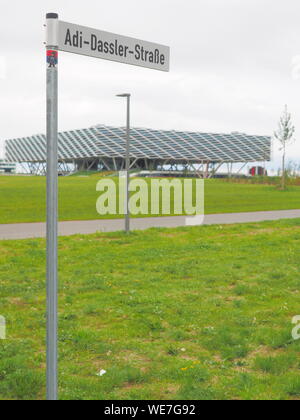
(127, 212)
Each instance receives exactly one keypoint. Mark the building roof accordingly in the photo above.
(103, 142)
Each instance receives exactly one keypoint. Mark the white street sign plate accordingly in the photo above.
(99, 44)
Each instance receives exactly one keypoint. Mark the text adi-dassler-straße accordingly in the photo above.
(115, 48)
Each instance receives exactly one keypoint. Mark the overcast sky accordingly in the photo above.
(234, 65)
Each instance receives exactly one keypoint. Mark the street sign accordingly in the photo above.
(108, 46)
(77, 39)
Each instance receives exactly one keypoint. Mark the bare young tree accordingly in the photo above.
(285, 135)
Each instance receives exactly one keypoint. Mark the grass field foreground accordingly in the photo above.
(23, 199)
(189, 313)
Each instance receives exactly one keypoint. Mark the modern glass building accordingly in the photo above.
(103, 148)
(7, 167)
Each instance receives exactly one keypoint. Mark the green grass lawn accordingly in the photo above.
(23, 198)
(189, 313)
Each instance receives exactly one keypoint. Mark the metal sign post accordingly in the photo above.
(52, 203)
(63, 36)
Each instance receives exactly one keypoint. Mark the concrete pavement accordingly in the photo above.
(38, 230)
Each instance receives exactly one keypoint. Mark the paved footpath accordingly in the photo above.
(38, 230)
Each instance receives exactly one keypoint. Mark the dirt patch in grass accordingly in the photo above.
(129, 356)
(186, 357)
(266, 352)
(129, 386)
(16, 301)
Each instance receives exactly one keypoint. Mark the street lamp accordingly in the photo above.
(127, 213)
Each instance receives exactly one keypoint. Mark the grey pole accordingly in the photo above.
(52, 204)
(127, 209)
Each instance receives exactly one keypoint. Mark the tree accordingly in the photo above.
(285, 136)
